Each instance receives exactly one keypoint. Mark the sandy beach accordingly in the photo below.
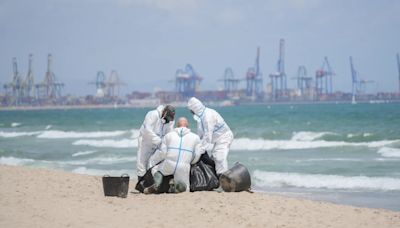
(32, 197)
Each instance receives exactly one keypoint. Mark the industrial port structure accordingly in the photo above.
(187, 83)
(22, 90)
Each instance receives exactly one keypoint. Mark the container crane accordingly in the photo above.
(187, 81)
(14, 88)
(254, 80)
(28, 85)
(358, 84)
(278, 79)
(50, 88)
(323, 78)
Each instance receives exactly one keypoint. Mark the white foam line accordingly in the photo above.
(72, 134)
(80, 153)
(309, 136)
(277, 179)
(262, 144)
(389, 152)
(15, 161)
(18, 134)
(124, 143)
(15, 124)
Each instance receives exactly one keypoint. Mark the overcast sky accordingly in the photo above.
(147, 41)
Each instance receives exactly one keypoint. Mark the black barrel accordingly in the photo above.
(235, 179)
(116, 186)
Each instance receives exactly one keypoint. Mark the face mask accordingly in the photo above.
(167, 117)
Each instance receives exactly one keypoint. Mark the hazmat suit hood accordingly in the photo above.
(196, 106)
(181, 131)
(160, 109)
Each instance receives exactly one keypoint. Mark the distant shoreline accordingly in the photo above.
(113, 106)
(64, 107)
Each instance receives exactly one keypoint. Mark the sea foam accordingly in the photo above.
(100, 161)
(309, 135)
(81, 153)
(123, 143)
(15, 161)
(389, 152)
(73, 134)
(15, 124)
(263, 144)
(18, 134)
(277, 179)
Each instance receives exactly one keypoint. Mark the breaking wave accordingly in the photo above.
(276, 179)
(92, 161)
(389, 152)
(309, 136)
(123, 143)
(80, 153)
(100, 161)
(18, 134)
(15, 161)
(15, 124)
(262, 144)
(72, 134)
(135, 133)
(331, 159)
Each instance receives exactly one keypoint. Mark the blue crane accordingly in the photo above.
(14, 88)
(187, 81)
(29, 84)
(278, 79)
(230, 82)
(254, 80)
(358, 84)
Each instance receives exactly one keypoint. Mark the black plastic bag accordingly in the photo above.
(145, 181)
(203, 176)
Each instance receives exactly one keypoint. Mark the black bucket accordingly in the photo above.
(116, 186)
(235, 179)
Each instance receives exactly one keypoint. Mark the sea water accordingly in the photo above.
(343, 153)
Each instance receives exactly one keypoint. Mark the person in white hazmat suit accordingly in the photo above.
(156, 125)
(216, 136)
(179, 149)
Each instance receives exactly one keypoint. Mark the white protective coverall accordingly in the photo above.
(216, 136)
(151, 133)
(179, 149)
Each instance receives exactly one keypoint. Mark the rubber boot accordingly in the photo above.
(158, 177)
(180, 187)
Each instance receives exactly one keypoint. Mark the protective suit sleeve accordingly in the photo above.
(198, 151)
(208, 127)
(149, 121)
(170, 127)
(159, 155)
